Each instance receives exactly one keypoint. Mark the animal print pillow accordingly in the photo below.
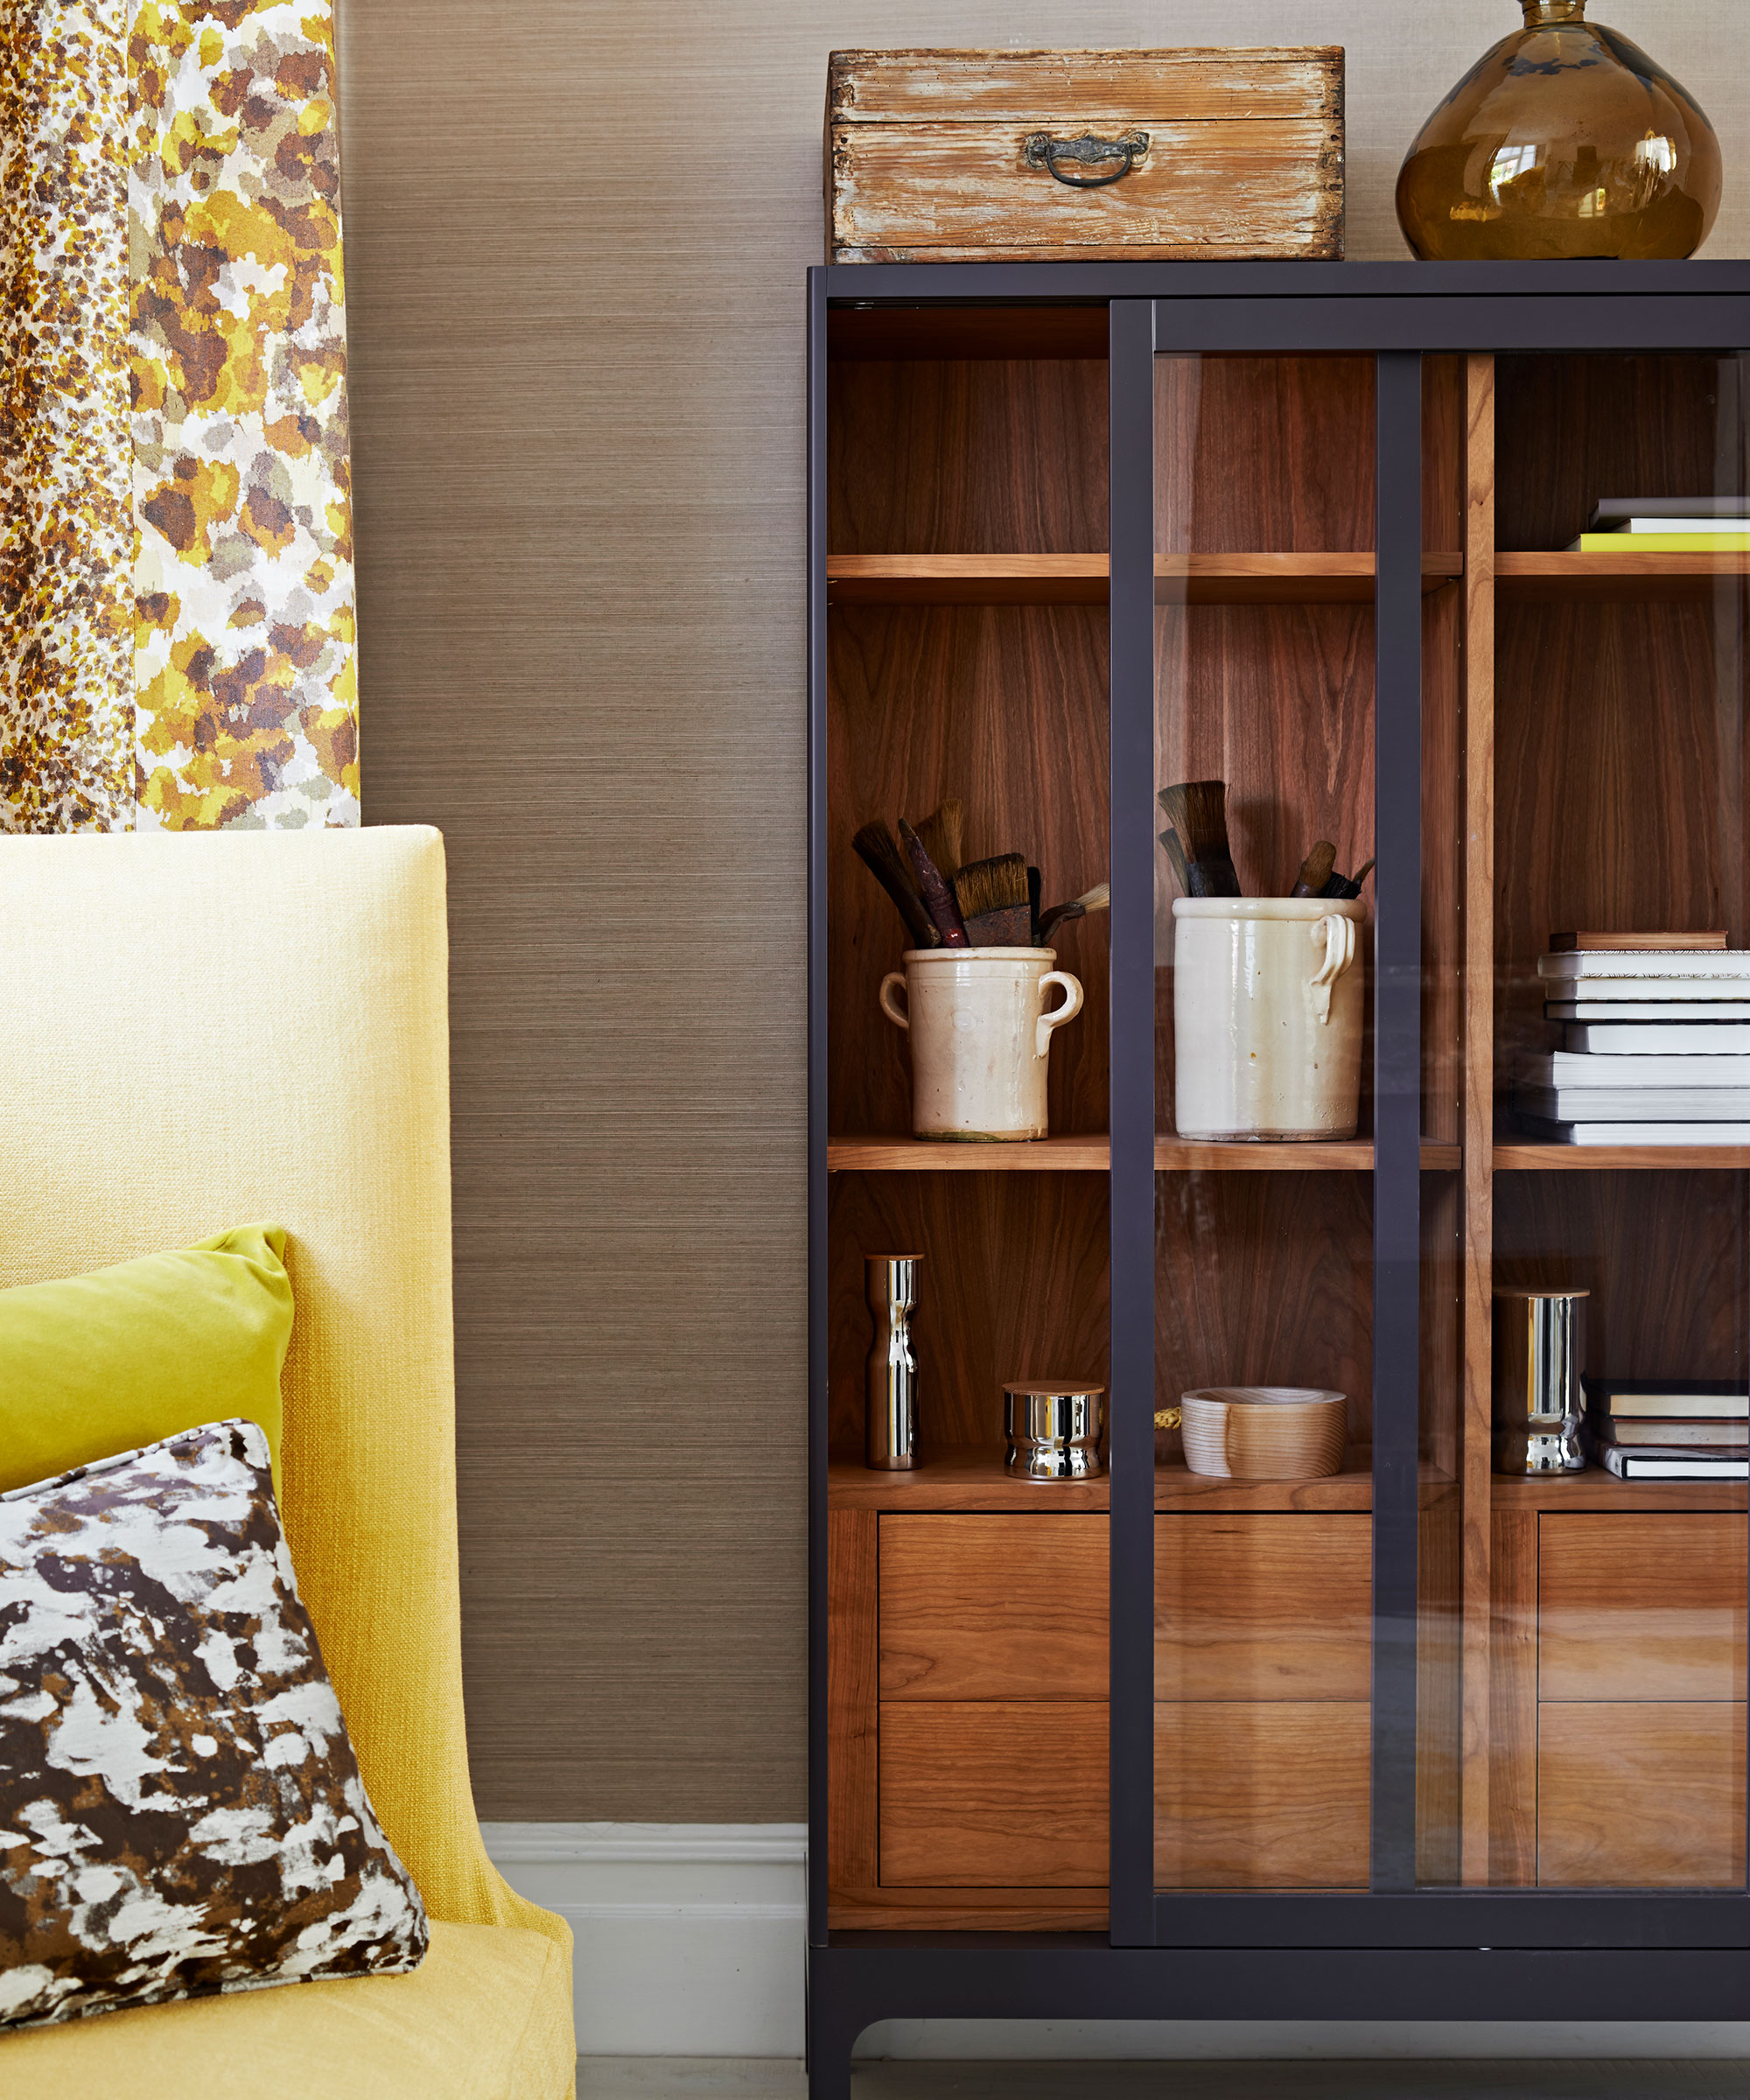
(180, 1810)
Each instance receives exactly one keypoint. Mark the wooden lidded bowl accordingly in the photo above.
(1264, 1432)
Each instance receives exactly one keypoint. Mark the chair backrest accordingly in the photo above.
(201, 1029)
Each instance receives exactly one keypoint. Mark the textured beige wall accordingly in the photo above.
(576, 234)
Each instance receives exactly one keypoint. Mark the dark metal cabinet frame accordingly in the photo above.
(1394, 1952)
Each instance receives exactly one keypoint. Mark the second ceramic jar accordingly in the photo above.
(1267, 1016)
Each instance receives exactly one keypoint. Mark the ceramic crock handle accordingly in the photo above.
(893, 1012)
(1338, 933)
(1059, 1015)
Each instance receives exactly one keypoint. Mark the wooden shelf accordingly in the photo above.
(1093, 1155)
(958, 1478)
(1596, 1489)
(1300, 579)
(1523, 1155)
(1082, 579)
(967, 579)
(1520, 577)
(973, 1479)
(921, 1156)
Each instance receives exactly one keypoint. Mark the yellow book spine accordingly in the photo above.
(1664, 542)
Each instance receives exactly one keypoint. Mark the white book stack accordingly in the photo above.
(1653, 1046)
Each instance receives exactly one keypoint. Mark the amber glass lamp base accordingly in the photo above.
(1565, 140)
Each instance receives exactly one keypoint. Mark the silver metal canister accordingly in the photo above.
(1053, 1430)
(1539, 1346)
(891, 1435)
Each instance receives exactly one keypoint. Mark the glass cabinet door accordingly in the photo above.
(1598, 1588)
(1451, 1229)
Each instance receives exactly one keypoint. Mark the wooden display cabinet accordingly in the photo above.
(1077, 532)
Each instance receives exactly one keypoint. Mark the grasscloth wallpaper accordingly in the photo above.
(576, 231)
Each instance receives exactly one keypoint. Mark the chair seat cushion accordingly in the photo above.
(485, 2016)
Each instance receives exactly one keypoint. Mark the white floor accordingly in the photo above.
(745, 2078)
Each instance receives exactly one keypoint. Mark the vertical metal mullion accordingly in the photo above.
(1131, 381)
(1397, 1106)
(818, 1106)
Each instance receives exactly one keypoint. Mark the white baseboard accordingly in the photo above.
(690, 1937)
(690, 1944)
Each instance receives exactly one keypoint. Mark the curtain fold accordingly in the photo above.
(67, 511)
(177, 644)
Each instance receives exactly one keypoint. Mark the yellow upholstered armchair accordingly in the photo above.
(197, 1029)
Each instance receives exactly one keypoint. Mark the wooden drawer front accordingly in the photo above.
(1261, 1796)
(993, 1794)
(1641, 1608)
(1262, 1607)
(993, 1607)
(1638, 1794)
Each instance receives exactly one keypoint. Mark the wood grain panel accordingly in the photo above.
(1013, 1285)
(1261, 1796)
(994, 1607)
(1641, 1608)
(968, 1910)
(928, 703)
(1664, 1253)
(1641, 1795)
(993, 1793)
(1262, 1607)
(853, 1697)
(1513, 1700)
(1265, 1279)
(972, 457)
(1264, 452)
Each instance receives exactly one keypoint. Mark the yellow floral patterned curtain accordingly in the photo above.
(176, 584)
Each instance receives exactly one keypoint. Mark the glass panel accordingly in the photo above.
(1600, 1586)
(1264, 642)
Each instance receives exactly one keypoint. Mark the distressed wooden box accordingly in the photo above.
(968, 155)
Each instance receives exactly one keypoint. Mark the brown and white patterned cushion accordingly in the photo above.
(180, 1809)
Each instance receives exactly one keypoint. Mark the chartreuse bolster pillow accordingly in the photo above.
(94, 1365)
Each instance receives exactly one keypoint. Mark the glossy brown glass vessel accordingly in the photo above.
(1564, 140)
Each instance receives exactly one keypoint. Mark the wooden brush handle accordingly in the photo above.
(938, 898)
(907, 901)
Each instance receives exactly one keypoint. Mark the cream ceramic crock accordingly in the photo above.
(1266, 1017)
(981, 1031)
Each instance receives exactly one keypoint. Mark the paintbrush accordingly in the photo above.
(1035, 890)
(940, 835)
(875, 847)
(938, 898)
(1315, 871)
(1175, 853)
(1348, 886)
(993, 900)
(1095, 900)
(1198, 810)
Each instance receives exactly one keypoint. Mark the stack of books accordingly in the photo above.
(1652, 1034)
(1680, 1430)
(1668, 525)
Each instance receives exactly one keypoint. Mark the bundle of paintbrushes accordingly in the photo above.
(1196, 842)
(947, 902)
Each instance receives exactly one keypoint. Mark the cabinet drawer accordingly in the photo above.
(1262, 1607)
(993, 1794)
(994, 1607)
(1640, 1793)
(1641, 1608)
(1270, 1795)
